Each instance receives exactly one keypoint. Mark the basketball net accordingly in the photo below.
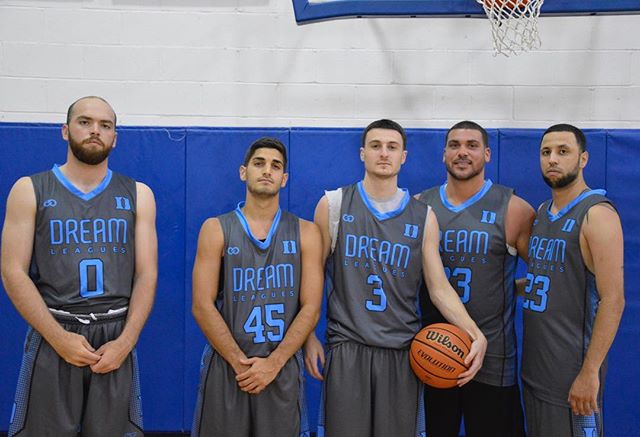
(514, 25)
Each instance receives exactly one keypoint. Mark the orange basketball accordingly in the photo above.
(437, 354)
(508, 4)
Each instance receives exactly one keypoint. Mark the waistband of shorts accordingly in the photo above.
(87, 319)
(332, 345)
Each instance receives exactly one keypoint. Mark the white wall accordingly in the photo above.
(247, 63)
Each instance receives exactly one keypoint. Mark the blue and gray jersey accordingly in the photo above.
(260, 285)
(83, 253)
(375, 271)
(560, 302)
(476, 260)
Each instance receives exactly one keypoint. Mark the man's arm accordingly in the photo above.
(17, 247)
(145, 279)
(447, 300)
(601, 244)
(313, 350)
(518, 222)
(206, 278)
(264, 370)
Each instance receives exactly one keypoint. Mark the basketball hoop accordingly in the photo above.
(514, 24)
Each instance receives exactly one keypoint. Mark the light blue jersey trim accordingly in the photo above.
(243, 221)
(571, 204)
(384, 215)
(593, 301)
(302, 403)
(467, 203)
(75, 191)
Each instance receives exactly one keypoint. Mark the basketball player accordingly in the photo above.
(382, 243)
(257, 289)
(79, 262)
(484, 227)
(574, 296)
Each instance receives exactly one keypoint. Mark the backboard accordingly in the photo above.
(316, 10)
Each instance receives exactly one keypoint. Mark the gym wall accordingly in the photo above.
(247, 63)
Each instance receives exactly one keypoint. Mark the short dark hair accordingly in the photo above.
(466, 124)
(386, 124)
(72, 107)
(266, 143)
(564, 127)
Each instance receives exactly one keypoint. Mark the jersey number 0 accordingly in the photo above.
(89, 289)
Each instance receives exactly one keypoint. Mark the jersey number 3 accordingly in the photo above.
(379, 304)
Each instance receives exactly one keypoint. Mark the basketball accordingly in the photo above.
(437, 354)
(508, 4)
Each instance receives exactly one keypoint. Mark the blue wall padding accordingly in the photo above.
(622, 386)
(157, 158)
(23, 150)
(194, 175)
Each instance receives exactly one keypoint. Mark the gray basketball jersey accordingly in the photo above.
(83, 254)
(560, 302)
(259, 296)
(375, 272)
(479, 267)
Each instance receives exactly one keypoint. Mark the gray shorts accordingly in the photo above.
(223, 410)
(549, 420)
(57, 399)
(370, 392)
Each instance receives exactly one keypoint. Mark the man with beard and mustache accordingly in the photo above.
(381, 243)
(484, 227)
(574, 295)
(79, 262)
(257, 289)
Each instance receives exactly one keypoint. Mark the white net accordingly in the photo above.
(514, 24)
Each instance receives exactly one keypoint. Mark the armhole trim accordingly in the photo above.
(334, 201)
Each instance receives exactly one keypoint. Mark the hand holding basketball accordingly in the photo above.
(443, 356)
(474, 359)
(438, 354)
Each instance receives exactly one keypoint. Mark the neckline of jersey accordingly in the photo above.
(245, 225)
(75, 190)
(570, 205)
(467, 203)
(383, 215)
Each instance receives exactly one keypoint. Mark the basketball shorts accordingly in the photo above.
(223, 410)
(545, 419)
(488, 411)
(57, 399)
(370, 391)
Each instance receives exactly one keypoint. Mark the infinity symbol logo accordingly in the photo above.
(348, 218)
(233, 250)
(50, 203)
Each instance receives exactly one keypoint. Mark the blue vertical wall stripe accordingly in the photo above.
(606, 160)
(497, 140)
(185, 307)
(290, 158)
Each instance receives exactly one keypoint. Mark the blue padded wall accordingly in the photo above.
(622, 393)
(23, 150)
(156, 157)
(194, 175)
